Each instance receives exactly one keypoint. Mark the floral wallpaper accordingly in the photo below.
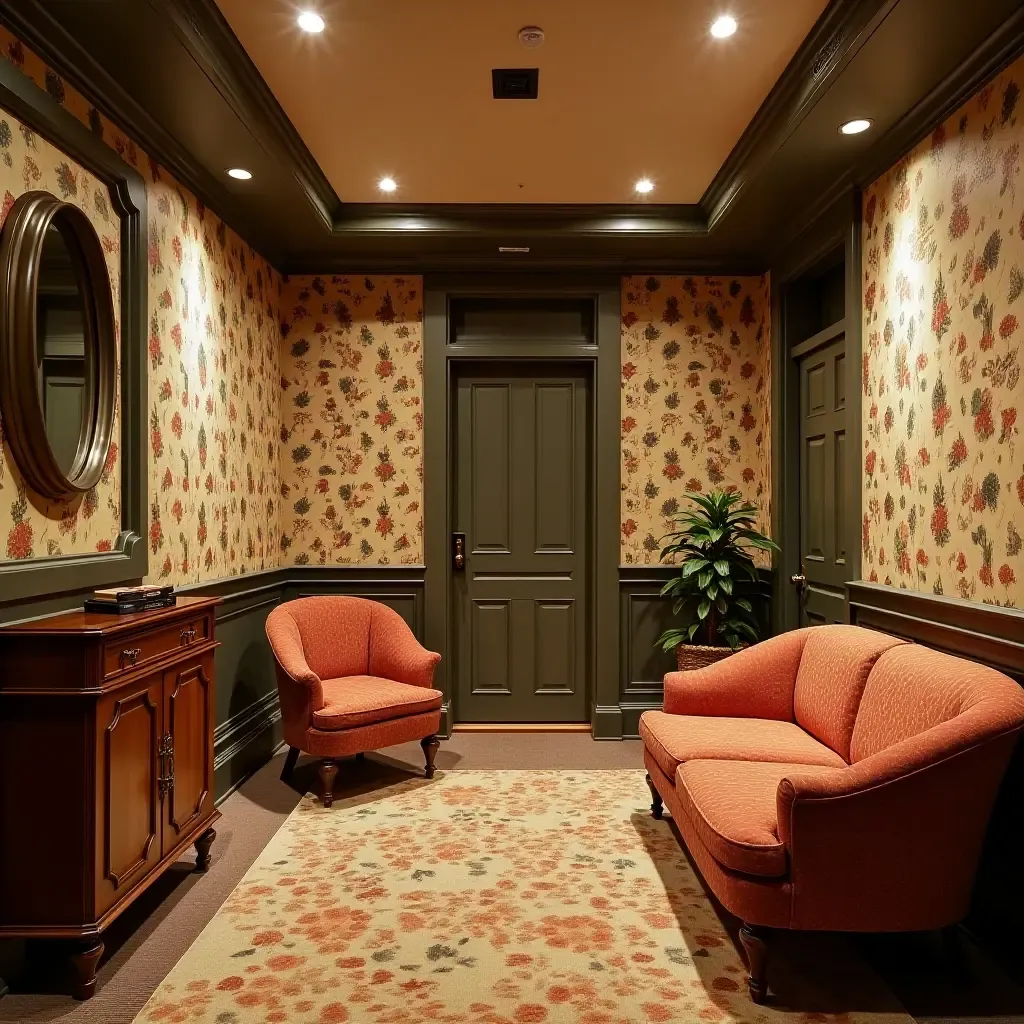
(352, 420)
(943, 469)
(214, 402)
(32, 526)
(696, 363)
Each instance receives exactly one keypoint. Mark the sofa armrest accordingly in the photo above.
(756, 682)
(395, 653)
(292, 667)
(893, 841)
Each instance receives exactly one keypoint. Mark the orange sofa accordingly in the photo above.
(833, 778)
(351, 677)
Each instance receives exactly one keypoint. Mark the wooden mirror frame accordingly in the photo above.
(21, 246)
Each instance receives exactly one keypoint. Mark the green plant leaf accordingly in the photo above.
(703, 608)
(722, 567)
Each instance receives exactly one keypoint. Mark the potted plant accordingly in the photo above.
(713, 550)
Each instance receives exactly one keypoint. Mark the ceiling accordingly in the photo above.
(741, 165)
(402, 88)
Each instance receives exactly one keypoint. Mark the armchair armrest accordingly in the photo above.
(395, 653)
(756, 682)
(893, 841)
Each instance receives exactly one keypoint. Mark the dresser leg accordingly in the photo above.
(83, 964)
(203, 844)
(328, 771)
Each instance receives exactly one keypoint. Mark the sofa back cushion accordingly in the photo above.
(335, 634)
(831, 678)
(912, 689)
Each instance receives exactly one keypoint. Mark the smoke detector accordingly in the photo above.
(531, 36)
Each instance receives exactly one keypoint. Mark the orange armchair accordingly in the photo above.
(833, 778)
(351, 677)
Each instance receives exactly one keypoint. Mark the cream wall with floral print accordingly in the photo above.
(352, 420)
(696, 363)
(943, 462)
(214, 401)
(32, 526)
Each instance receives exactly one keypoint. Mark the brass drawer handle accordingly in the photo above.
(130, 655)
(187, 636)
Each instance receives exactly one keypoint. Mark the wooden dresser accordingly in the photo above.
(106, 766)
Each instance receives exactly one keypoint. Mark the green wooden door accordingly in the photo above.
(825, 504)
(521, 499)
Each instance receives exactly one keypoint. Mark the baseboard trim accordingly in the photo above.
(249, 774)
(521, 727)
(234, 735)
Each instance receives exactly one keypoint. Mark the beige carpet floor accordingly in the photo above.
(146, 943)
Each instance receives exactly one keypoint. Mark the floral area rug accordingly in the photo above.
(500, 897)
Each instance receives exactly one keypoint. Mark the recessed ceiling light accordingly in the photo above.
(387, 185)
(240, 173)
(723, 26)
(856, 126)
(644, 185)
(310, 21)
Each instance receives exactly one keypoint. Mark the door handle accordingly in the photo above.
(458, 551)
(799, 579)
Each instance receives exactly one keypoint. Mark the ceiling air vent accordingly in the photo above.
(514, 83)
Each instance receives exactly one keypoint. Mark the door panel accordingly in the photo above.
(824, 501)
(128, 723)
(520, 605)
(188, 709)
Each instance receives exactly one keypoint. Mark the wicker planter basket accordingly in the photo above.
(694, 656)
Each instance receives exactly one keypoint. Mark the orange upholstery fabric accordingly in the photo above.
(913, 689)
(765, 901)
(673, 739)
(831, 679)
(732, 806)
(363, 700)
(756, 682)
(322, 644)
(888, 842)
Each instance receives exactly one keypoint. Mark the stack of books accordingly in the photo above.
(123, 600)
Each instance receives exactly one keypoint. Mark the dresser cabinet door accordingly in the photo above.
(129, 726)
(188, 722)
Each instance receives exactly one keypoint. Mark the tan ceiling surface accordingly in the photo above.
(403, 88)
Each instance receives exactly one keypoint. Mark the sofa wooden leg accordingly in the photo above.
(328, 771)
(656, 803)
(755, 944)
(289, 764)
(430, 745)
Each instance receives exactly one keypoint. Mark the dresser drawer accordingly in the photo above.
(124, 653)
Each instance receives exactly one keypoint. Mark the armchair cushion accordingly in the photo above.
(674, 739)
(353, 701)
(831, 679)
(732, 805)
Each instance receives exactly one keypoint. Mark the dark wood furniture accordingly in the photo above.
(106, 767)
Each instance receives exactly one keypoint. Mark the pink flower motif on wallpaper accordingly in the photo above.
(944, 248)
(696, 389)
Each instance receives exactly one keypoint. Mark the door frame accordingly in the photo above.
(439, 358)
(839, 228)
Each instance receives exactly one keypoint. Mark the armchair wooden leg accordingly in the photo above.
(328, 771)
(656, 802)
(289, 764)
(755, 944)
(430, 745)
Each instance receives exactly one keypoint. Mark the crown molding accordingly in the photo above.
(996, 53)
(35, 26)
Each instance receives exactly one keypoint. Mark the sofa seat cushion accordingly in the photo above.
(353, 701)
(674, 739)
(732, 807)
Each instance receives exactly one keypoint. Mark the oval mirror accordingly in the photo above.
(58, 354)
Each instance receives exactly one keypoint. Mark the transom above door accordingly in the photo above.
(520, 549)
